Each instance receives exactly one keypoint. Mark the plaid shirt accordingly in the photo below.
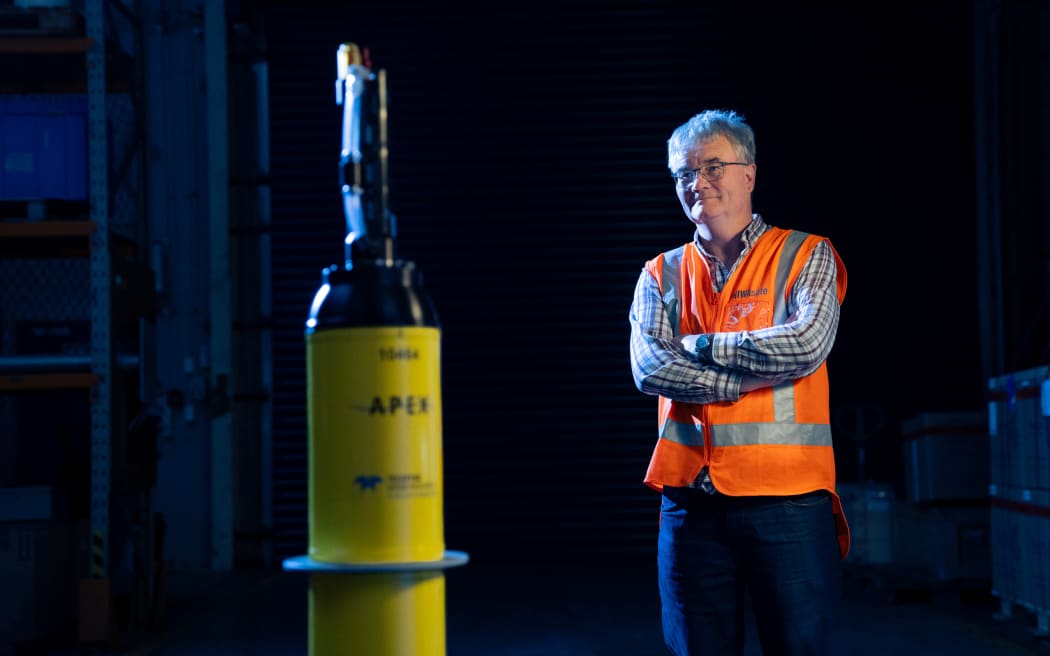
(794, 349)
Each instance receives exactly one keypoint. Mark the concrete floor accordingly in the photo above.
(598, 607)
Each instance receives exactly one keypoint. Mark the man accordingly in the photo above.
(731, 332)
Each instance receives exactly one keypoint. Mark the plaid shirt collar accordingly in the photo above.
(752, 232)
(720, 272)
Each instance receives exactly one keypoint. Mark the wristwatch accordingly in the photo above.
(702, 349)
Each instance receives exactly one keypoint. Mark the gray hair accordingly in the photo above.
(710, 124)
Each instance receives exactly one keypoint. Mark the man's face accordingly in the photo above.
(725, 199)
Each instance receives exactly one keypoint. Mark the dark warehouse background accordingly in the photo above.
(528, 177)
(528, 173)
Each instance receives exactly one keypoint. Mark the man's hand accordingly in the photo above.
(687, 342)
(697, 346)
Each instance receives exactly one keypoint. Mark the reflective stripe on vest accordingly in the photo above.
(784, 394)
(792, 243)
(687, 434)
(669, 287)
(763, 433)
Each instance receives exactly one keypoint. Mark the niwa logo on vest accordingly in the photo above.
(760, 308)
(748, 293)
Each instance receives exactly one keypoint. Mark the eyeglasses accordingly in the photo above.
(711, 171)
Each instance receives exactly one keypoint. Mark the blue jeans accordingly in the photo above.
(714, 549)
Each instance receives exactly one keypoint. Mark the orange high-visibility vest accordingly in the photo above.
(773, 441)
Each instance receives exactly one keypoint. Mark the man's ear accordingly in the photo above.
(750, 171)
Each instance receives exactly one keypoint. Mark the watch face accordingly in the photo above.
(703, 342)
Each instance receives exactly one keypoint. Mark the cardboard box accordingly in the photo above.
(95, 611)
(946, 457)
(43, 147)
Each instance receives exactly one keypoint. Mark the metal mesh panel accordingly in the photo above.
(43, 290)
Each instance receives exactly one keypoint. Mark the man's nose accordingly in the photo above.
(700, 183)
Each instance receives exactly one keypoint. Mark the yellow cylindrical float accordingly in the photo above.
(378, 613)
(377, 547)
(376, 555)
(375, 444)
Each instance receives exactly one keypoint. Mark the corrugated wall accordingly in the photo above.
(528, 175)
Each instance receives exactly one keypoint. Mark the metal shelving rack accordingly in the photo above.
(95, 241)
(102, 363)
(73, 238)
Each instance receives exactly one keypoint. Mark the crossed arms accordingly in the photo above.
(739, 361)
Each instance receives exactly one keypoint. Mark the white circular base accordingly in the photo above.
(309, 565)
